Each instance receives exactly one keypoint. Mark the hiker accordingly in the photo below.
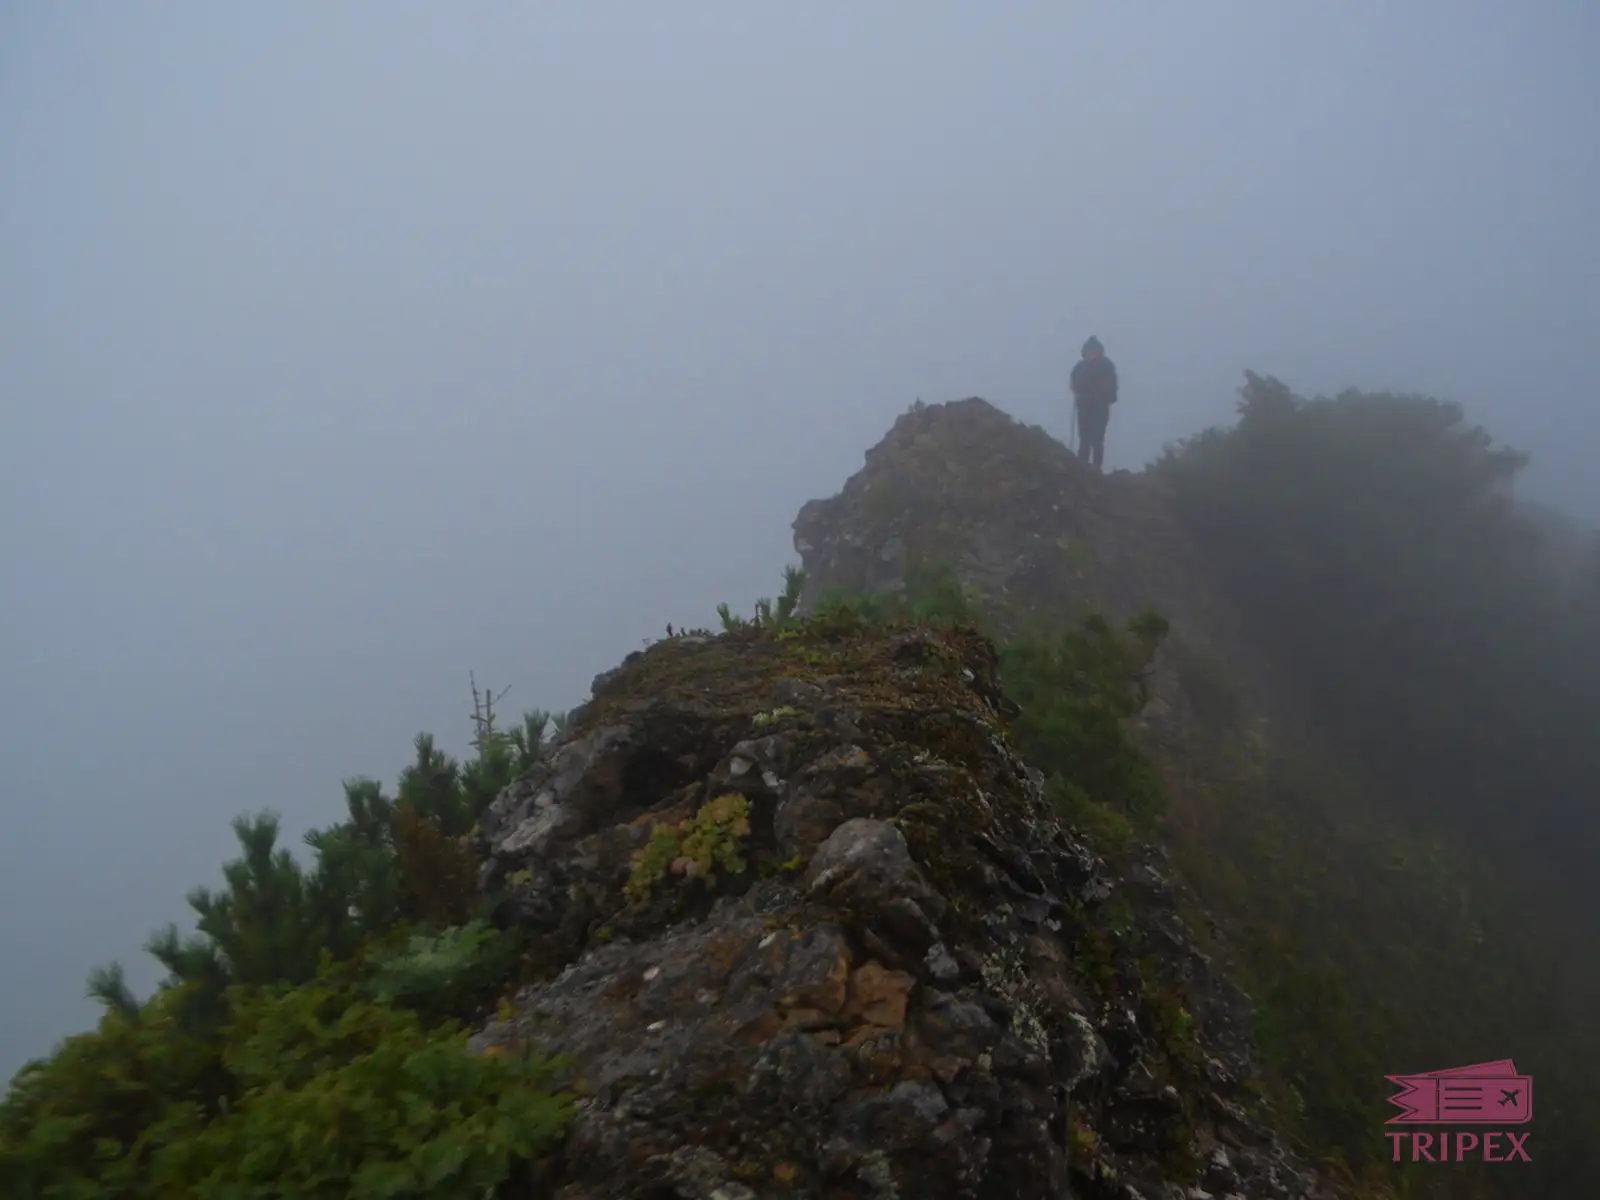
(1094, 391)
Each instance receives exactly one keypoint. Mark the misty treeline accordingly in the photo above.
(1376, 544)
(1422, 899)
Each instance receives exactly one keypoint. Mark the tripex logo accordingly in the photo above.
(1489, 1093)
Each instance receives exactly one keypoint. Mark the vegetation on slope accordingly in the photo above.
(1075, 684)
(1377, 545)
(308, 1039)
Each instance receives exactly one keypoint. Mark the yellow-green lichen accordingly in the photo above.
(714, 837)
(764, 719)
(1005, 974)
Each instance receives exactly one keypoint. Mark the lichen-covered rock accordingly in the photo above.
(917, 982)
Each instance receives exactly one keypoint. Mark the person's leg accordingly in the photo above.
(1102, 417)
(1085, 431)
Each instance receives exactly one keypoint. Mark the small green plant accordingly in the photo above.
(714, 837)
(790, 866)
(771, 616)
(1112, 833)
(931, 593)
(1172, 1025)
(764, 719)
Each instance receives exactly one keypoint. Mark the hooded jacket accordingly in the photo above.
(1094, 381)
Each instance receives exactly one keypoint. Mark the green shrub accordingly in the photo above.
(304, 1042)
(340, 1096)
(1077, 691)
(444, 975)
(1111, 830)
(83, 1124)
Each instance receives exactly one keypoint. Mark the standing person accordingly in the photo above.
(1094, 391)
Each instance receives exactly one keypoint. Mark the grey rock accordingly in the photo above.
(908, 1015)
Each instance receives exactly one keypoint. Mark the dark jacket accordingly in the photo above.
(1094, 381)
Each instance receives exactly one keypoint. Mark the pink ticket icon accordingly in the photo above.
(1489, 1093)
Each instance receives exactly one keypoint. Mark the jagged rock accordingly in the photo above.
(909, 989)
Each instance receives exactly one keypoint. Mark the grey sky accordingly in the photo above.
(346, 348)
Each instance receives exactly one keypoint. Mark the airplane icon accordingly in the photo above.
(1484, 1093)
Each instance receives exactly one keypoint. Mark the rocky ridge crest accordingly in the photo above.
(808, 927)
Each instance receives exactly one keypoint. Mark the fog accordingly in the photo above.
(346, 349)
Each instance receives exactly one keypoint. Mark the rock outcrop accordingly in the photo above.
(807, 927)
(1037, 535)
(1041, 538)
(1025, 523)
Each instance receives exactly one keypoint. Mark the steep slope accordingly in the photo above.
(809, 928)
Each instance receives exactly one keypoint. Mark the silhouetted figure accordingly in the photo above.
(1094, 391)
